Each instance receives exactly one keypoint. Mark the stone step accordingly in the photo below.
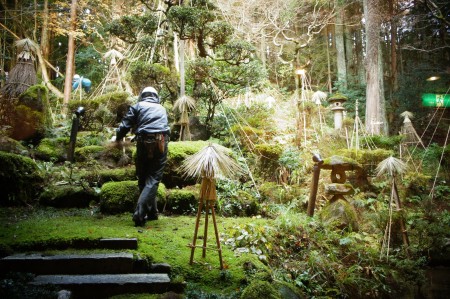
(102, 263)
(106, 285)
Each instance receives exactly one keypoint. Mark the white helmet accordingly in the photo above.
(149, 89)
(76, 77)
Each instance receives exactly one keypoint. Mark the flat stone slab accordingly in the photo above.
(101, 263)
(105, 285)
(118, 243)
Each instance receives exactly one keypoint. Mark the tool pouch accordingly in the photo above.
(160, 140)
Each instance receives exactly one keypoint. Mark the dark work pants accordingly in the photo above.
(150, 163)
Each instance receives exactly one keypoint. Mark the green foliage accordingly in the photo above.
(20, 179)
(29, 117)
(416, 183)
(87, 138)
(385, 142)
(126, 28)
(88, 64)
(181, 201)
(291, 166)
(273, 193)
(235, 199)
(102, 111)
(189, 20)
(143, 74)
(87, 153)
(431, 157)
(250, 238)
(219, 31)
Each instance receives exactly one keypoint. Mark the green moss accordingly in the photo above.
(179, 150)
(120, 197)
(52, 149)
(329, 162)
(101, 176)
(269, 154)
(340, 214)
(182, 201)
(68, 196)
(87, 153)
(20, 179)
(365, 156)
(32, 114)
(260, 289)
(386, 142)
(28, 123)
(12, 146)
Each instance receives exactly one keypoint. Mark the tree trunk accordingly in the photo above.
(182, 68)
(70, 57)
(349, 58)
(340, 47)
(374, 109)
(394, 74)
(45, 45)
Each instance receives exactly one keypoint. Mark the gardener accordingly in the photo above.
(148, 118)
(81, 82)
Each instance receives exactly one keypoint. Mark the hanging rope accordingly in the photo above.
(240, 151)
(439, 165)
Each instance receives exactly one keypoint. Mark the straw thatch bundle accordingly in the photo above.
(184, 105)
(23, 74)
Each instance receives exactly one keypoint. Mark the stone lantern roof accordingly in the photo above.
(336, 101)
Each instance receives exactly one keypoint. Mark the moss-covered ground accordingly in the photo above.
(163, 241)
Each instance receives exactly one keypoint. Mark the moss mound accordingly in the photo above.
(120, 197)
(53, 149)
(32, 115)
(182, 201)
(68, 196)
(101, 176)
(341, 215)
(260, 289)
(20, 179)
(12, 146)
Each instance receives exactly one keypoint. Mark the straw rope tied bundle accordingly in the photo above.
(184, 105)
(392, 167)
(211, 162)
(23, 75)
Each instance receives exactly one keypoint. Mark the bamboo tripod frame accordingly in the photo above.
(208, 197)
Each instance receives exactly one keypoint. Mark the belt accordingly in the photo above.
(150, 136)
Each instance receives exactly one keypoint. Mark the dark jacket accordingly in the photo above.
(146, 117)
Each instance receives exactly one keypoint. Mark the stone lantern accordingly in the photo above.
(337, 106)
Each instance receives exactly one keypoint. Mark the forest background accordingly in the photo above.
(274, 62)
